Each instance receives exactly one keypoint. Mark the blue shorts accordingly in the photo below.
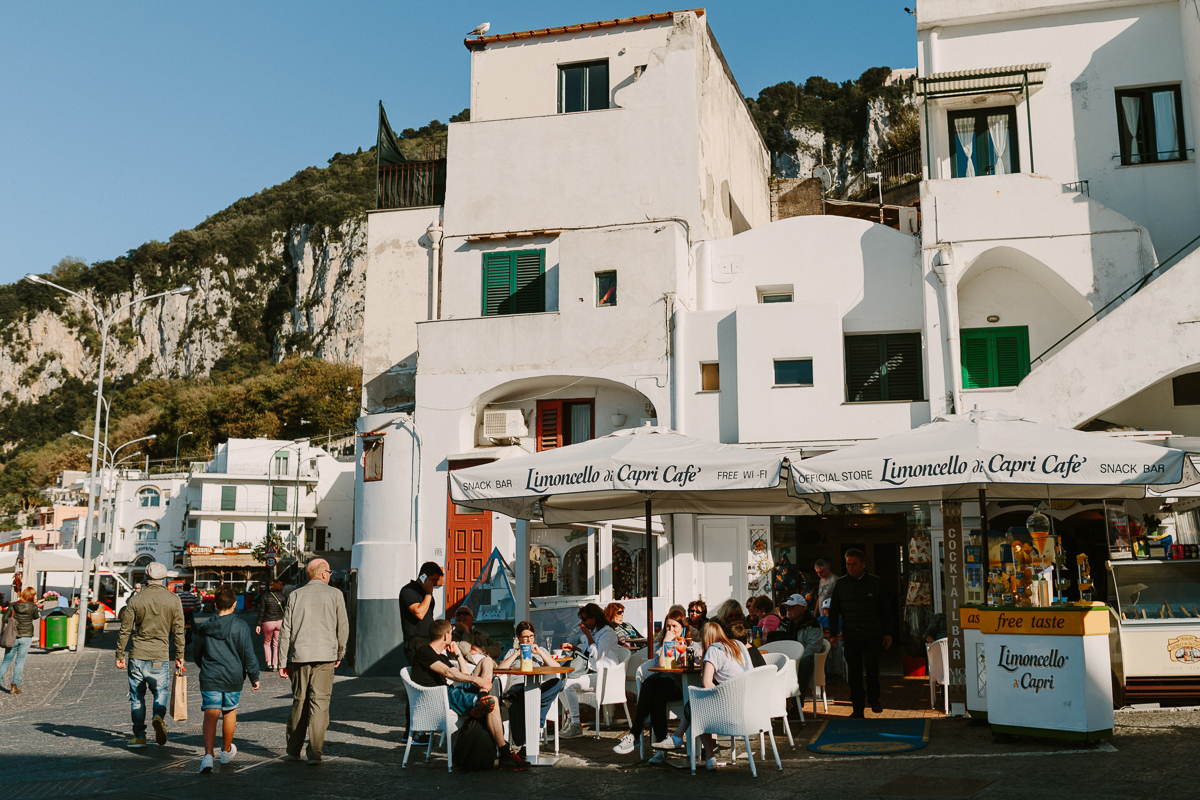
(226, 701)
(463, 696)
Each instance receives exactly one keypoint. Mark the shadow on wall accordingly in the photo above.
(392, 388)
(727, 359)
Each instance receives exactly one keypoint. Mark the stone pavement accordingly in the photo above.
(65, 737)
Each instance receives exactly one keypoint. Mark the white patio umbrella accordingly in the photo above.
(648, 470)
(989, 454)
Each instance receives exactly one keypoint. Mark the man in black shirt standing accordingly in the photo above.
(416, 612)
(862, 605)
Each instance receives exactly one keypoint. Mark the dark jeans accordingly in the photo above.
(805, 668)
(410, 655)
(656, 692)
(516, 710)
(862, 656)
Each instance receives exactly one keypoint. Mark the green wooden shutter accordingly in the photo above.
(975, 362)
(529, 285)
(864, 369)
(902, 371)
(228, 498)
(994, 357)
(226, 531)
(497, 283)
(1012, 355)
(279, 498)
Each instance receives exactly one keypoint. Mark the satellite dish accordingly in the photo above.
(826, 177)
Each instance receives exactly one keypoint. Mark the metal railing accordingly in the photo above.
(1078, 186)
(417, 183)
(900, 168)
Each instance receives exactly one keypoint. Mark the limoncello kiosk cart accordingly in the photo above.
(1048, 670)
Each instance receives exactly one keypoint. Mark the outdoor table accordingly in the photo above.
(690, 675)
(533, 710)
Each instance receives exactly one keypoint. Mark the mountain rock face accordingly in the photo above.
(845, 160)
(184, 336)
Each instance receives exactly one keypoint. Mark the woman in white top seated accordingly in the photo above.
(597, 639)
(724, 659)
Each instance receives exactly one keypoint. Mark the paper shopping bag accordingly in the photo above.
(178, 705)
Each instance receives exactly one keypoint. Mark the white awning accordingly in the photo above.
(992, 80)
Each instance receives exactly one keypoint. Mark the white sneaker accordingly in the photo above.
(658, 758)
(711, 764)
(206, 764)
(572, 730)
(672, 742)
(625, 746)
(227, 755)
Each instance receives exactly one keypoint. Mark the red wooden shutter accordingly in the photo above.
(549, 424)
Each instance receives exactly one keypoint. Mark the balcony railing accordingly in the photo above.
(417, 183)
(900, 168)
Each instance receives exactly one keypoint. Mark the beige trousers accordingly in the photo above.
(312, 685)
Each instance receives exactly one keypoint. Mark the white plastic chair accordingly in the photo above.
(818, 681)
(430, 712)
(938, 656)
(673, 708)
(610, 688)
(734, 709)
(785, 681)
(794, 652)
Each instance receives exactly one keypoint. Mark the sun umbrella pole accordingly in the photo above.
(649, 584)
(983, 528)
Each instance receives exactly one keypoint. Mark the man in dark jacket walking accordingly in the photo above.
(861, 604)
(225, 655)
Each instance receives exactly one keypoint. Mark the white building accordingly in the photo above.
(294, 487)
(143, 521)
(489, 330)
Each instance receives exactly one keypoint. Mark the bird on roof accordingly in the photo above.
(480, 30)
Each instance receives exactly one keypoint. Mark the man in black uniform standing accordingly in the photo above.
(416, 613)
(862, 604)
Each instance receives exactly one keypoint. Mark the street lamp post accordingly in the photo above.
(189, 433)
(104, 323)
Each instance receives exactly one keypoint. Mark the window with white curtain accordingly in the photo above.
(1150, 125)
(983, 141)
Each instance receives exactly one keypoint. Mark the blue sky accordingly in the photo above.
(126, 121)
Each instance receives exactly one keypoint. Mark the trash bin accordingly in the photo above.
(241, 602)
(56, 630)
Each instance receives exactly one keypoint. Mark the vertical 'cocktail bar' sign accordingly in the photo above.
(956, 588)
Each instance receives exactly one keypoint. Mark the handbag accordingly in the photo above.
(178, 705)
(8, 637)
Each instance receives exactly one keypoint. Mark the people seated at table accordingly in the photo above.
(801, 626)
(727, 613)
(473, 643)
(697, 614)
(724, 659)
(768, 619)
(691, 631)
(597, 640)
(615, 614)
(467, 686)
(658, 689)
(515, 694)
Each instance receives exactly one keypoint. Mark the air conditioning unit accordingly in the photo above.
(508, 423)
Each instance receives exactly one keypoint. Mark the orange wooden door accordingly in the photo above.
(468, 545)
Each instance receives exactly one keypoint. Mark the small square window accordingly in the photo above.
(372, 459)
(710, 377)
(794, 372)
(1186, 389)
(776, 298)
(606, 288)
(582, 87)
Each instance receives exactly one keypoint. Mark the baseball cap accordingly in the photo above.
(825, 603)
(796, 600)
(156, 571)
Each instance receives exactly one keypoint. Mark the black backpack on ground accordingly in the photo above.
(474, 748)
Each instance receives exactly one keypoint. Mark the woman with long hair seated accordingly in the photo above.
(658, 689)
(596, 640)
(724, 659)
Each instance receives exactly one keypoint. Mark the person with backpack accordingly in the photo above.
(468, 691)
(225, 654)
(270, 620)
